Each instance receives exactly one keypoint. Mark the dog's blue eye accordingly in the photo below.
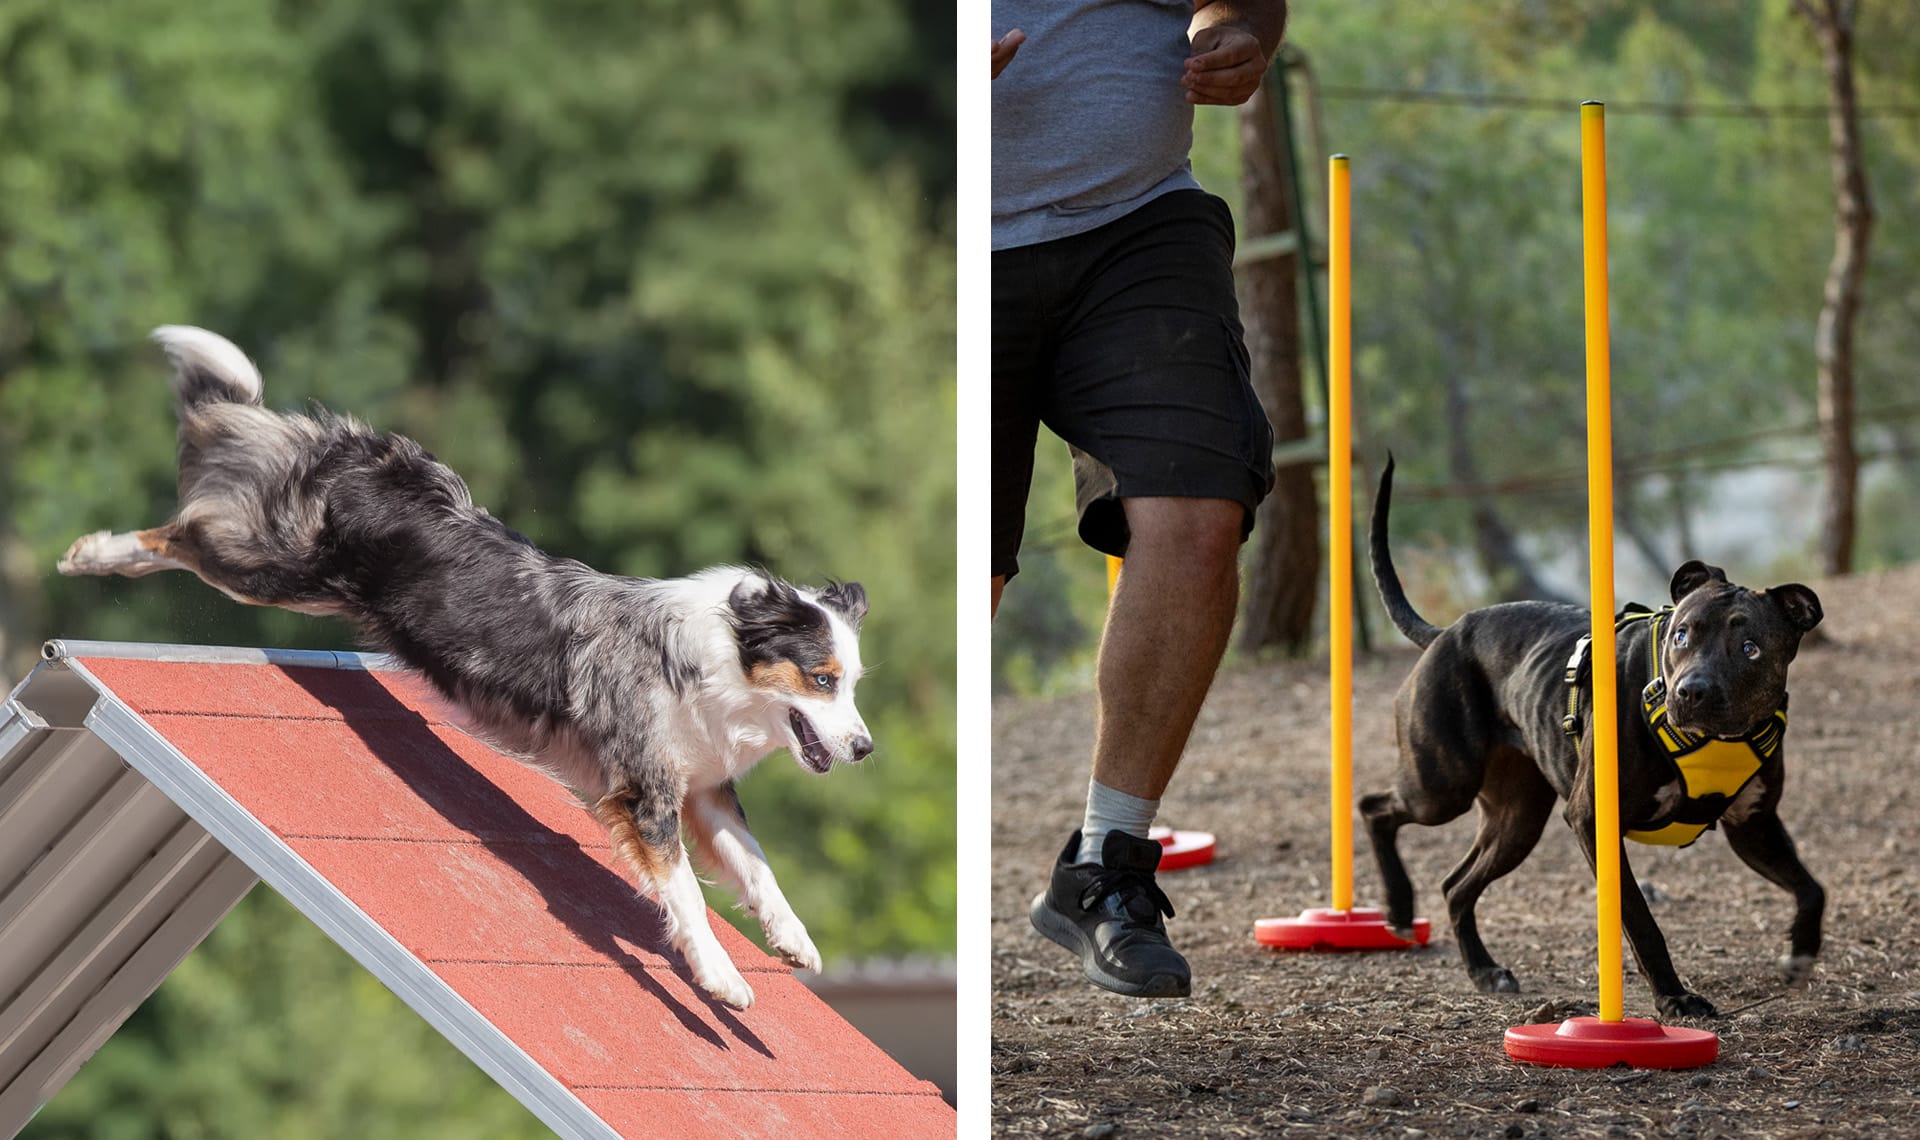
(823, 680)
(1679, 637)
(1751, 650)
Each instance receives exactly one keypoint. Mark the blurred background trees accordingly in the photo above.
(669, 285)
(1468, 356)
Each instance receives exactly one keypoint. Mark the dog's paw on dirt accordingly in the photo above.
(1496, 980)
(1796, 969)
(1685, 1005)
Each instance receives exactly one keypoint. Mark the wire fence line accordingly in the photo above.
(1061, 532)
(1509, 101)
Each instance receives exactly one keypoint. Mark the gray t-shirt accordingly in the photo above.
(1089, 119)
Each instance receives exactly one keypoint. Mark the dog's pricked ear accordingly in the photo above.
(768, 615)
(1693, 575)
(762, 600)
(848, 600)
(744, 593)
(743, 599)
(1802, 605)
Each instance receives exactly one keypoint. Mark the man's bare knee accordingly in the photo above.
(1203, 531)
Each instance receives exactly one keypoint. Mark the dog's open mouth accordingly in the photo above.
(813, 750)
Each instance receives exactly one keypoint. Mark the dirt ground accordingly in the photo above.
(1399, 1043)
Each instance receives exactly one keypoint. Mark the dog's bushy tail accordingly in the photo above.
(1385, 579)
(207, 368)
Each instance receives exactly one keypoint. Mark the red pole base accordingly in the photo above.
(1590, 1043)
(1362, 928)
(1182, 848)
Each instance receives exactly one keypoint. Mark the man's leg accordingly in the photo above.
(1167, 627)
(1171, 455)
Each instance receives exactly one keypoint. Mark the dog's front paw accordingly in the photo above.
(1495, 980)
(1795, 969)
(81, 557)
(724, 984)
(715, 973)
(788, 938)
(1685, 1005)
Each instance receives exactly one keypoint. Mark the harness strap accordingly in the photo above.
(1694, 813)
(1581, 663)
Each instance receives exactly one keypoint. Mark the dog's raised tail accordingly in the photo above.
(1385, 579)
(207, 368)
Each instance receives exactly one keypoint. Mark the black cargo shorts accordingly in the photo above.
(1126, 342)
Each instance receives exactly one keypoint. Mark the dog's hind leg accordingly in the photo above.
(1444, 742)
(646, 834)
(1515, 805)
(730, 851)
(130, 554)
(1763, 844)
(1385, 813)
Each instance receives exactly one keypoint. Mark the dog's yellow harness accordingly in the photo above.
(1713, 770)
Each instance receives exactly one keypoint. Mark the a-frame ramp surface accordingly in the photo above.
(472, 886)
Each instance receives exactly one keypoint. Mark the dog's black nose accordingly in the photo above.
(862, 747)
(1689, 692)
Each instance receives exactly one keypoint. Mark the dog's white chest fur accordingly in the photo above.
(716, 747)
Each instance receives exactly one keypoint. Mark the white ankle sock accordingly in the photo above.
(1109, 809)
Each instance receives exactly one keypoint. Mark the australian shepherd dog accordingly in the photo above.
(647, 697)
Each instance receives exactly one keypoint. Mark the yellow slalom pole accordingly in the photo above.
(1340, 517)
(1606, 772)
(1612, 1038)
(1113, 574)
(1341, 926)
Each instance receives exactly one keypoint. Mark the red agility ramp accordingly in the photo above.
(144, 788)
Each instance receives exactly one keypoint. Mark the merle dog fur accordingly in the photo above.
(600, 680)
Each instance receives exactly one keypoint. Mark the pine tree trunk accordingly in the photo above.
(1833, 22)
(1283, 579)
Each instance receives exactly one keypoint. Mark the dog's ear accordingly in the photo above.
(1801, 604)
(764, 601)
(1693, 575)
(847, 599)
(746, 593)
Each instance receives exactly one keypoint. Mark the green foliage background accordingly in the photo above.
(1467, 262)
(669, 284)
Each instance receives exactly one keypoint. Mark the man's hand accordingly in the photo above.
(1224, 67)
(1003, 49)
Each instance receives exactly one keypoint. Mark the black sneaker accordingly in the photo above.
(1110, 916)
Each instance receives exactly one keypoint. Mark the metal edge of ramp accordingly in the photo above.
(147, 752)
(105, 887)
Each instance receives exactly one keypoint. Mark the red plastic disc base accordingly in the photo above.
(1590, 1043)
(1362, 928)
(1182, 848)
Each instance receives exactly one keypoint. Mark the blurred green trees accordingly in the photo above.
(669, 285)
